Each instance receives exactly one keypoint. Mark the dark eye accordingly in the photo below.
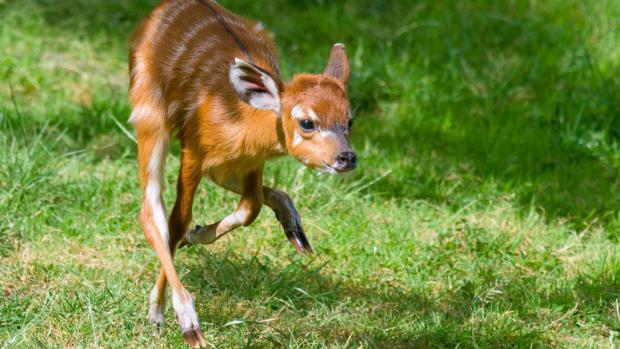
(306, 125)
(350, 123)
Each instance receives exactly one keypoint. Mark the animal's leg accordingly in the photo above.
(282, 206)
(287, 214)
(247, 210)
(152, 146)
(180, 218)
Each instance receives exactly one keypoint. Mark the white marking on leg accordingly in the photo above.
(186, 314)
(153, 187)
(209, 234)
(157, 157)
(156, 310)
(234, 220)
(153, 196)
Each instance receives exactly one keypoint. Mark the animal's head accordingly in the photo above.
(314, 108)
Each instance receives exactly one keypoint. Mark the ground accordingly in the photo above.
(483, 214)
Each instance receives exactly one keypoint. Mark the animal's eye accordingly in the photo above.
(350, 123)
(307, 125)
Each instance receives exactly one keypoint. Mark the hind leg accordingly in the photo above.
(152, 146)
(190, 176)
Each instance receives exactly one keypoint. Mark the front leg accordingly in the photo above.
(287, 214)
(247, 210)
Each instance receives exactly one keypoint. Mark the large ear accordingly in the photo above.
(338, 66)
(254, 85)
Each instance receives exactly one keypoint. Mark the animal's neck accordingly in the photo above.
(265, 133)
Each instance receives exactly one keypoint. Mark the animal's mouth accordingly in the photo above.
(333, 170)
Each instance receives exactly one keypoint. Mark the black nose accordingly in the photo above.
(346, 161)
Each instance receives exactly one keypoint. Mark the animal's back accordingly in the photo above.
(181, 54)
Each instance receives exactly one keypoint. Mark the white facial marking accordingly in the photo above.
(186, 314)
(312, 115)
(326, 133)
(296, 139)
(298, 113)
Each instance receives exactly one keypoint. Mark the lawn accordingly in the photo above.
(484, 213)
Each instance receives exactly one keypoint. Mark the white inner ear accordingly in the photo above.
(236, 76)
(270, 84)
(265, 101)
(249, 92)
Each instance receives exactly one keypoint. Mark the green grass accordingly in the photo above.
(484, 212)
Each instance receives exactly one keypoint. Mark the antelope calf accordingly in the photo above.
(213, 78)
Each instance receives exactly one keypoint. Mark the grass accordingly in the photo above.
(484, 213)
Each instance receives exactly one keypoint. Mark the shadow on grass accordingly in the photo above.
(380, 316)
(489, 311)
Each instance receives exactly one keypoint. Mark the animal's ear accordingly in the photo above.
(254, 85)
(338, 66)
